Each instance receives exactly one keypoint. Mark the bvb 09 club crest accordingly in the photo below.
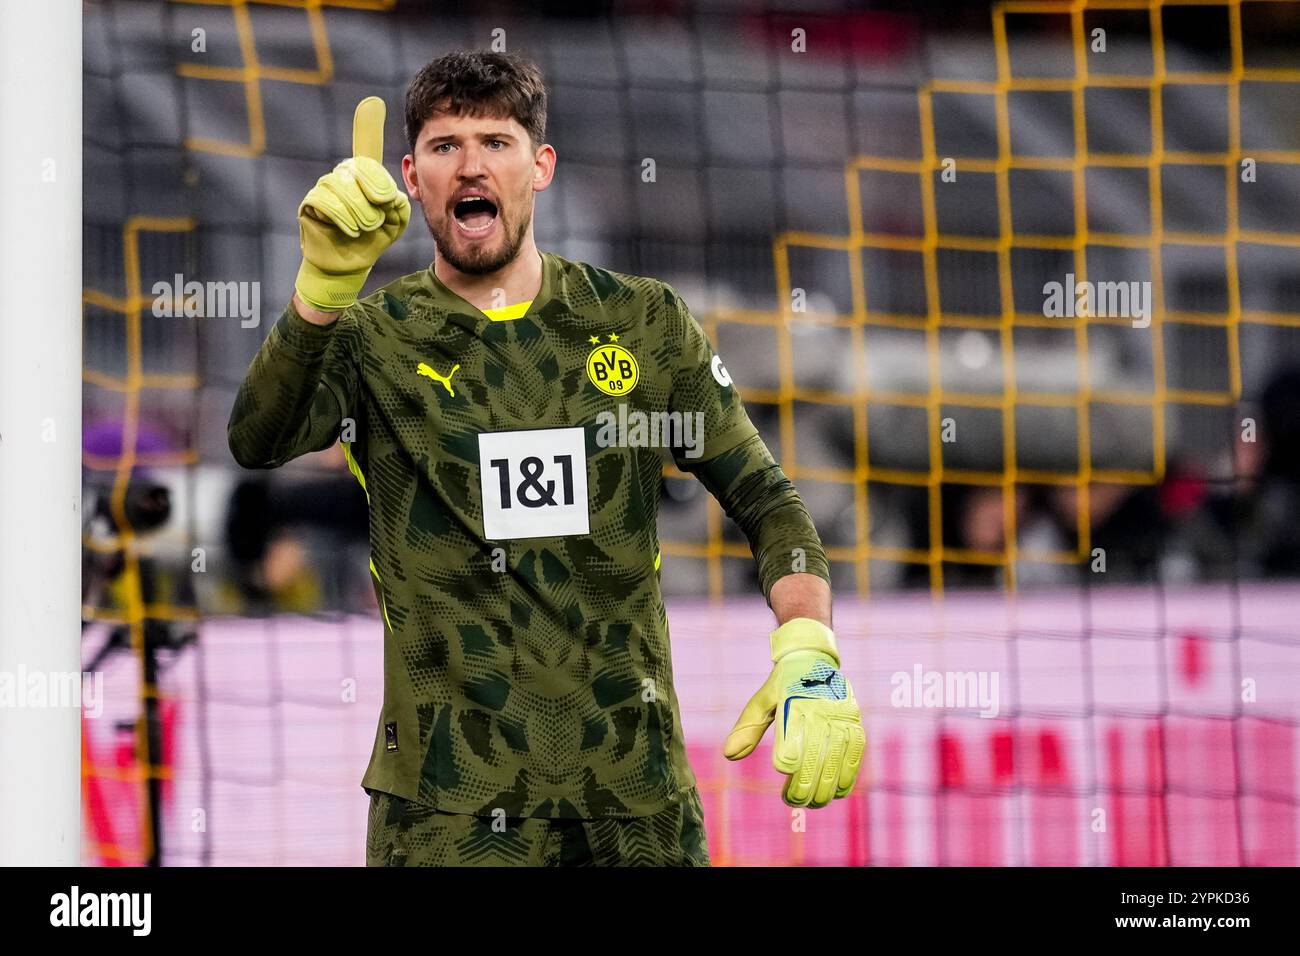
(612, 369)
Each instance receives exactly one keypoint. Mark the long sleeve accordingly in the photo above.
(732, 461)
(756, 494)
(300, 387)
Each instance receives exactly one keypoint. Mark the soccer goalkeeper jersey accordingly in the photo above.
(513, 469)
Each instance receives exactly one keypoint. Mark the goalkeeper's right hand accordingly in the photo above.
(352, 214)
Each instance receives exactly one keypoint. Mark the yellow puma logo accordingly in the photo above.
(445, 380)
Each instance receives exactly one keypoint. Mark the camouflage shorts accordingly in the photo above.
(402, 833)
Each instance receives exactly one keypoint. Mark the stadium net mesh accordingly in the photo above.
(904, 286)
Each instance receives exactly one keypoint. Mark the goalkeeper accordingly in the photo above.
(529, 714)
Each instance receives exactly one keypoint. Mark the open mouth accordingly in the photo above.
(475, 214)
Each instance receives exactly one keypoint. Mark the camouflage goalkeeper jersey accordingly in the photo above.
(512, 526)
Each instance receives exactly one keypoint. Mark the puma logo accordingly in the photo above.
(826, 681)
(444, 380)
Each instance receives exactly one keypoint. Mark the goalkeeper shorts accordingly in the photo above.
(402, 833)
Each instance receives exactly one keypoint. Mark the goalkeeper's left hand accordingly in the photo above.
(819, 734)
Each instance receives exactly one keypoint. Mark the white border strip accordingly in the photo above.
(40, 427)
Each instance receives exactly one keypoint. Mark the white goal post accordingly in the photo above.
(40, 430)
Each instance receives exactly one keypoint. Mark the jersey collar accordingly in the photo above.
(458, 304)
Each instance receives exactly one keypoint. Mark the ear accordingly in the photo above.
(543, 167)
(408, 177)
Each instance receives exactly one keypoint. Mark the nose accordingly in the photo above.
(471, 161)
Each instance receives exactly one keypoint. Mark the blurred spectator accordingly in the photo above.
(973, 521)
(1128, 523)
(1246, 527)
(300, 544)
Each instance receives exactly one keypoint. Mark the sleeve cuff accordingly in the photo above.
(803, 634)
(305, 339)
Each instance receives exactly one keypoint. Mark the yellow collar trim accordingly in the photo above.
(508, 312)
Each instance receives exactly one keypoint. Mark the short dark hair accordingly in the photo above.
(478, 83)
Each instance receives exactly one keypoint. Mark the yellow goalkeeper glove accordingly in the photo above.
(352, 214)
(819, 734)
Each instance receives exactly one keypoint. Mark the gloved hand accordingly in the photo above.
(819, 734)
(352, 214)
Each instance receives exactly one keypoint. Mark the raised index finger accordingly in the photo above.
(368, 129)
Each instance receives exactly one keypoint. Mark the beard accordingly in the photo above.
(477, 259)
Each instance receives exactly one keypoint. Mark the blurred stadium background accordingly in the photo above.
(1147, 712)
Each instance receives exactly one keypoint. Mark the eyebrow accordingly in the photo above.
(451, 137)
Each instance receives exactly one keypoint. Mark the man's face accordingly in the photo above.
(475, 177)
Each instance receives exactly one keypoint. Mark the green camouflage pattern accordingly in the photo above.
(535, 679)
(404, 833)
